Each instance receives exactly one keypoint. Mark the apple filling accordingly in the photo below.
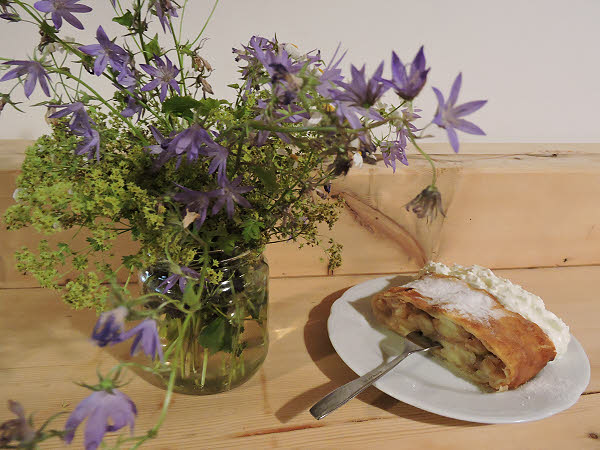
(460, 349)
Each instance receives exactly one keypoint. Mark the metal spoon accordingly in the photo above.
(348, 391)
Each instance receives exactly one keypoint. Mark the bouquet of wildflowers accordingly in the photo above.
(192, 178)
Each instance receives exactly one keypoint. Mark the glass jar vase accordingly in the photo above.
(216, 336)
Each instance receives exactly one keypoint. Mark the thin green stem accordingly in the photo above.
(62, 81)
(205, 23)
(179, 57)
(163, 413)
(181, 17)
(36, 16)
(427, 157)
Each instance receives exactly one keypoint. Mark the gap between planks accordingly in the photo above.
(373, 274)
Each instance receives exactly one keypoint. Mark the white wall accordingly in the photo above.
(537, 61)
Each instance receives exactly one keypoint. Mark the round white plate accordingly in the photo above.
(363, 344)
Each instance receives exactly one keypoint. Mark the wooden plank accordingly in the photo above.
(503, 211)
(45, 348)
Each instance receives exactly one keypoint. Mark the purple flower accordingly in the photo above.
(63, 9)
(196, 202)
(229, 193)
(90, 145)
(133, 108)
(427, 204)
(394, 150)
(80, 123)
(179, 278)
(448, 115)
(218, 164)
(408, 85)
(331, 75)
(164, 8)
(162, 145)
(146, 335)
(109, 326)
(8, 14)
(98, 408)
(359, 92)
(126, 77)
(359, 96)
(105, 51)
(190, 141)
(17, 430)
(35, 72)
(278, 64)
(164, 76)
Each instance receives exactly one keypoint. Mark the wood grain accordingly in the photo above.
(45, 348)
(527, 209)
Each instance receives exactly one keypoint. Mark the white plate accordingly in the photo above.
(363, 344)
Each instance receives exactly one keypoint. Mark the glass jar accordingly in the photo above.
(223, 339)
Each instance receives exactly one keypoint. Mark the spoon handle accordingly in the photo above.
(348, 391)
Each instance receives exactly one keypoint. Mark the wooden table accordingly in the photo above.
(45, 347)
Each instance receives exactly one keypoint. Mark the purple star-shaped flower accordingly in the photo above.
(331, 75)
(229, 193)
(164, 76)
(63, 9)
(126, 77)
(190, 141)
(90, 145)
(219, 155)
(109, 326)
(105, 51)
(408, 86)
(357, 98)
(80, 123)
(277, 64)
(164, 9)
(18, 430)
(394, 150)
(99, 407)
(146, 335)
(449, 116)
(133, 108)
(359, 92)
(162, 143)
(35, 72)
(179, 278)
(195, 201)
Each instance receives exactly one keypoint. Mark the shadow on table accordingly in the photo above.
(327, 360)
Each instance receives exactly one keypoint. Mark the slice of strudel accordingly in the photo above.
(492, 332)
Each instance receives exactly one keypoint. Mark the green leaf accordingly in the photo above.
(216, 336)
(181, 106)
(206, 105)
(131, 262)
(234, 86)
(228, 243)
(126, 19)
(186, 49)
(267, 177)
(252, 229)
(153, 47)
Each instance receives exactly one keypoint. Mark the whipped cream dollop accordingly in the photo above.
(512, 296)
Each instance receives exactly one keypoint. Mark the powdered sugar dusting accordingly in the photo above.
(451, 294)
(513, 297)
